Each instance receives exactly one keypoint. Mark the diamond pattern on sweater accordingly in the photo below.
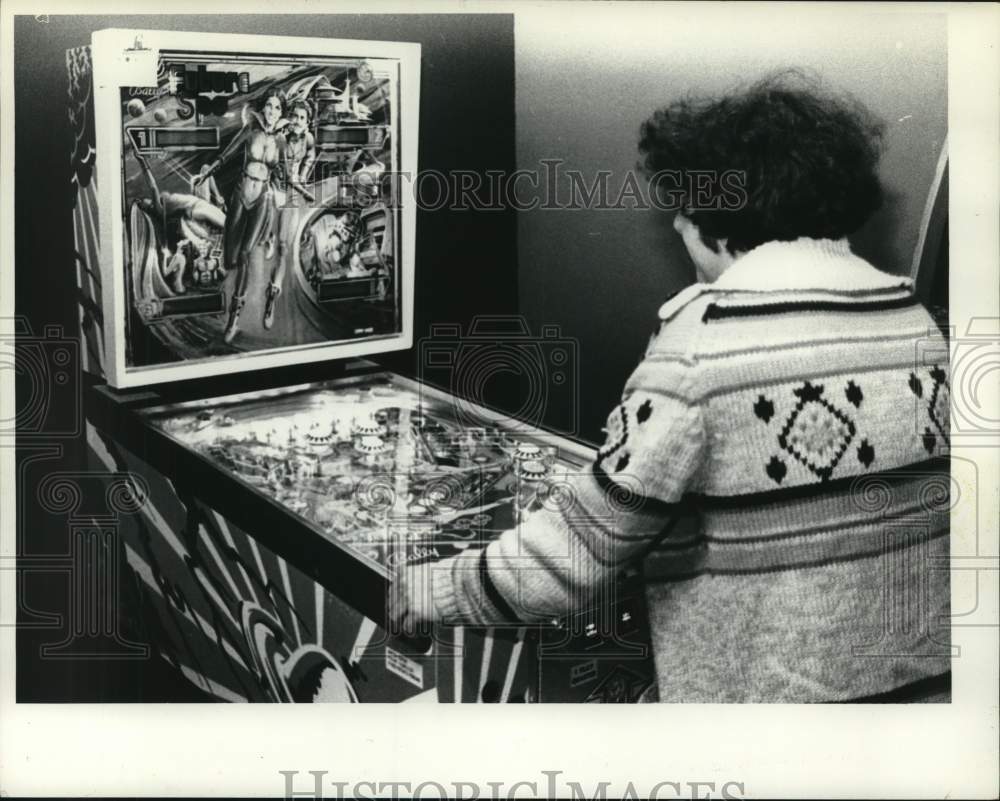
(764, 409)
(866, 453)
(816, 433)
(644, 411)
(939, 405)
(617, 433)
(776, 469)
(854, 394)
(930, 441)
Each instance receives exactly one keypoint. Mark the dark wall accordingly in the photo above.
(465, 262)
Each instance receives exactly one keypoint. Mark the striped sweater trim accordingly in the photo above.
(836, 543)
(904, 285)
(803, 266)
(782, 494)
(791, 345)
(665, 357)
(694, 500)
(901, 516)
(720, 310)
(493, 594)
(800, 565)
(653, 507)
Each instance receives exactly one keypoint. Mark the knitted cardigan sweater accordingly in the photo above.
(800, 405)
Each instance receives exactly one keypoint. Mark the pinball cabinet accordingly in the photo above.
(241, 246)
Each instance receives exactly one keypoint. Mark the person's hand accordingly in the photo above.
(205, 171)
(411, 609)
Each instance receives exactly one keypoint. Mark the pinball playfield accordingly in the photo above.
(377, 463)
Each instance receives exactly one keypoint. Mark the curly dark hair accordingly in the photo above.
(303, 105)
(273, 92)
(805, 161)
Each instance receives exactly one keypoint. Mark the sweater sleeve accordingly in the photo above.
(571, 551)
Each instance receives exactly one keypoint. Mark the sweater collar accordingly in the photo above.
(800, 265)
(804, 264)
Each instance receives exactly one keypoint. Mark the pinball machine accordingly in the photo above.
(241, 251)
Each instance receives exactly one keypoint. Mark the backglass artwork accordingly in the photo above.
(259, 212)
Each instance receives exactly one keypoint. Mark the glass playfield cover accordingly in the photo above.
(390, 467)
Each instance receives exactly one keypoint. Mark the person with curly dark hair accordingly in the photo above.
(781, 401)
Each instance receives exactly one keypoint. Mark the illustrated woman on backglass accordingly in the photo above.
(251, 212)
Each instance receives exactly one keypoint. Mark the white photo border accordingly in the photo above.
(821, 751)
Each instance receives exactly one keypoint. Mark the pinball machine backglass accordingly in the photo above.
(250, 183)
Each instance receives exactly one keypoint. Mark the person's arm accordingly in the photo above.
(562, 556)
(227, 151)
(215, 194)
(153, 186)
